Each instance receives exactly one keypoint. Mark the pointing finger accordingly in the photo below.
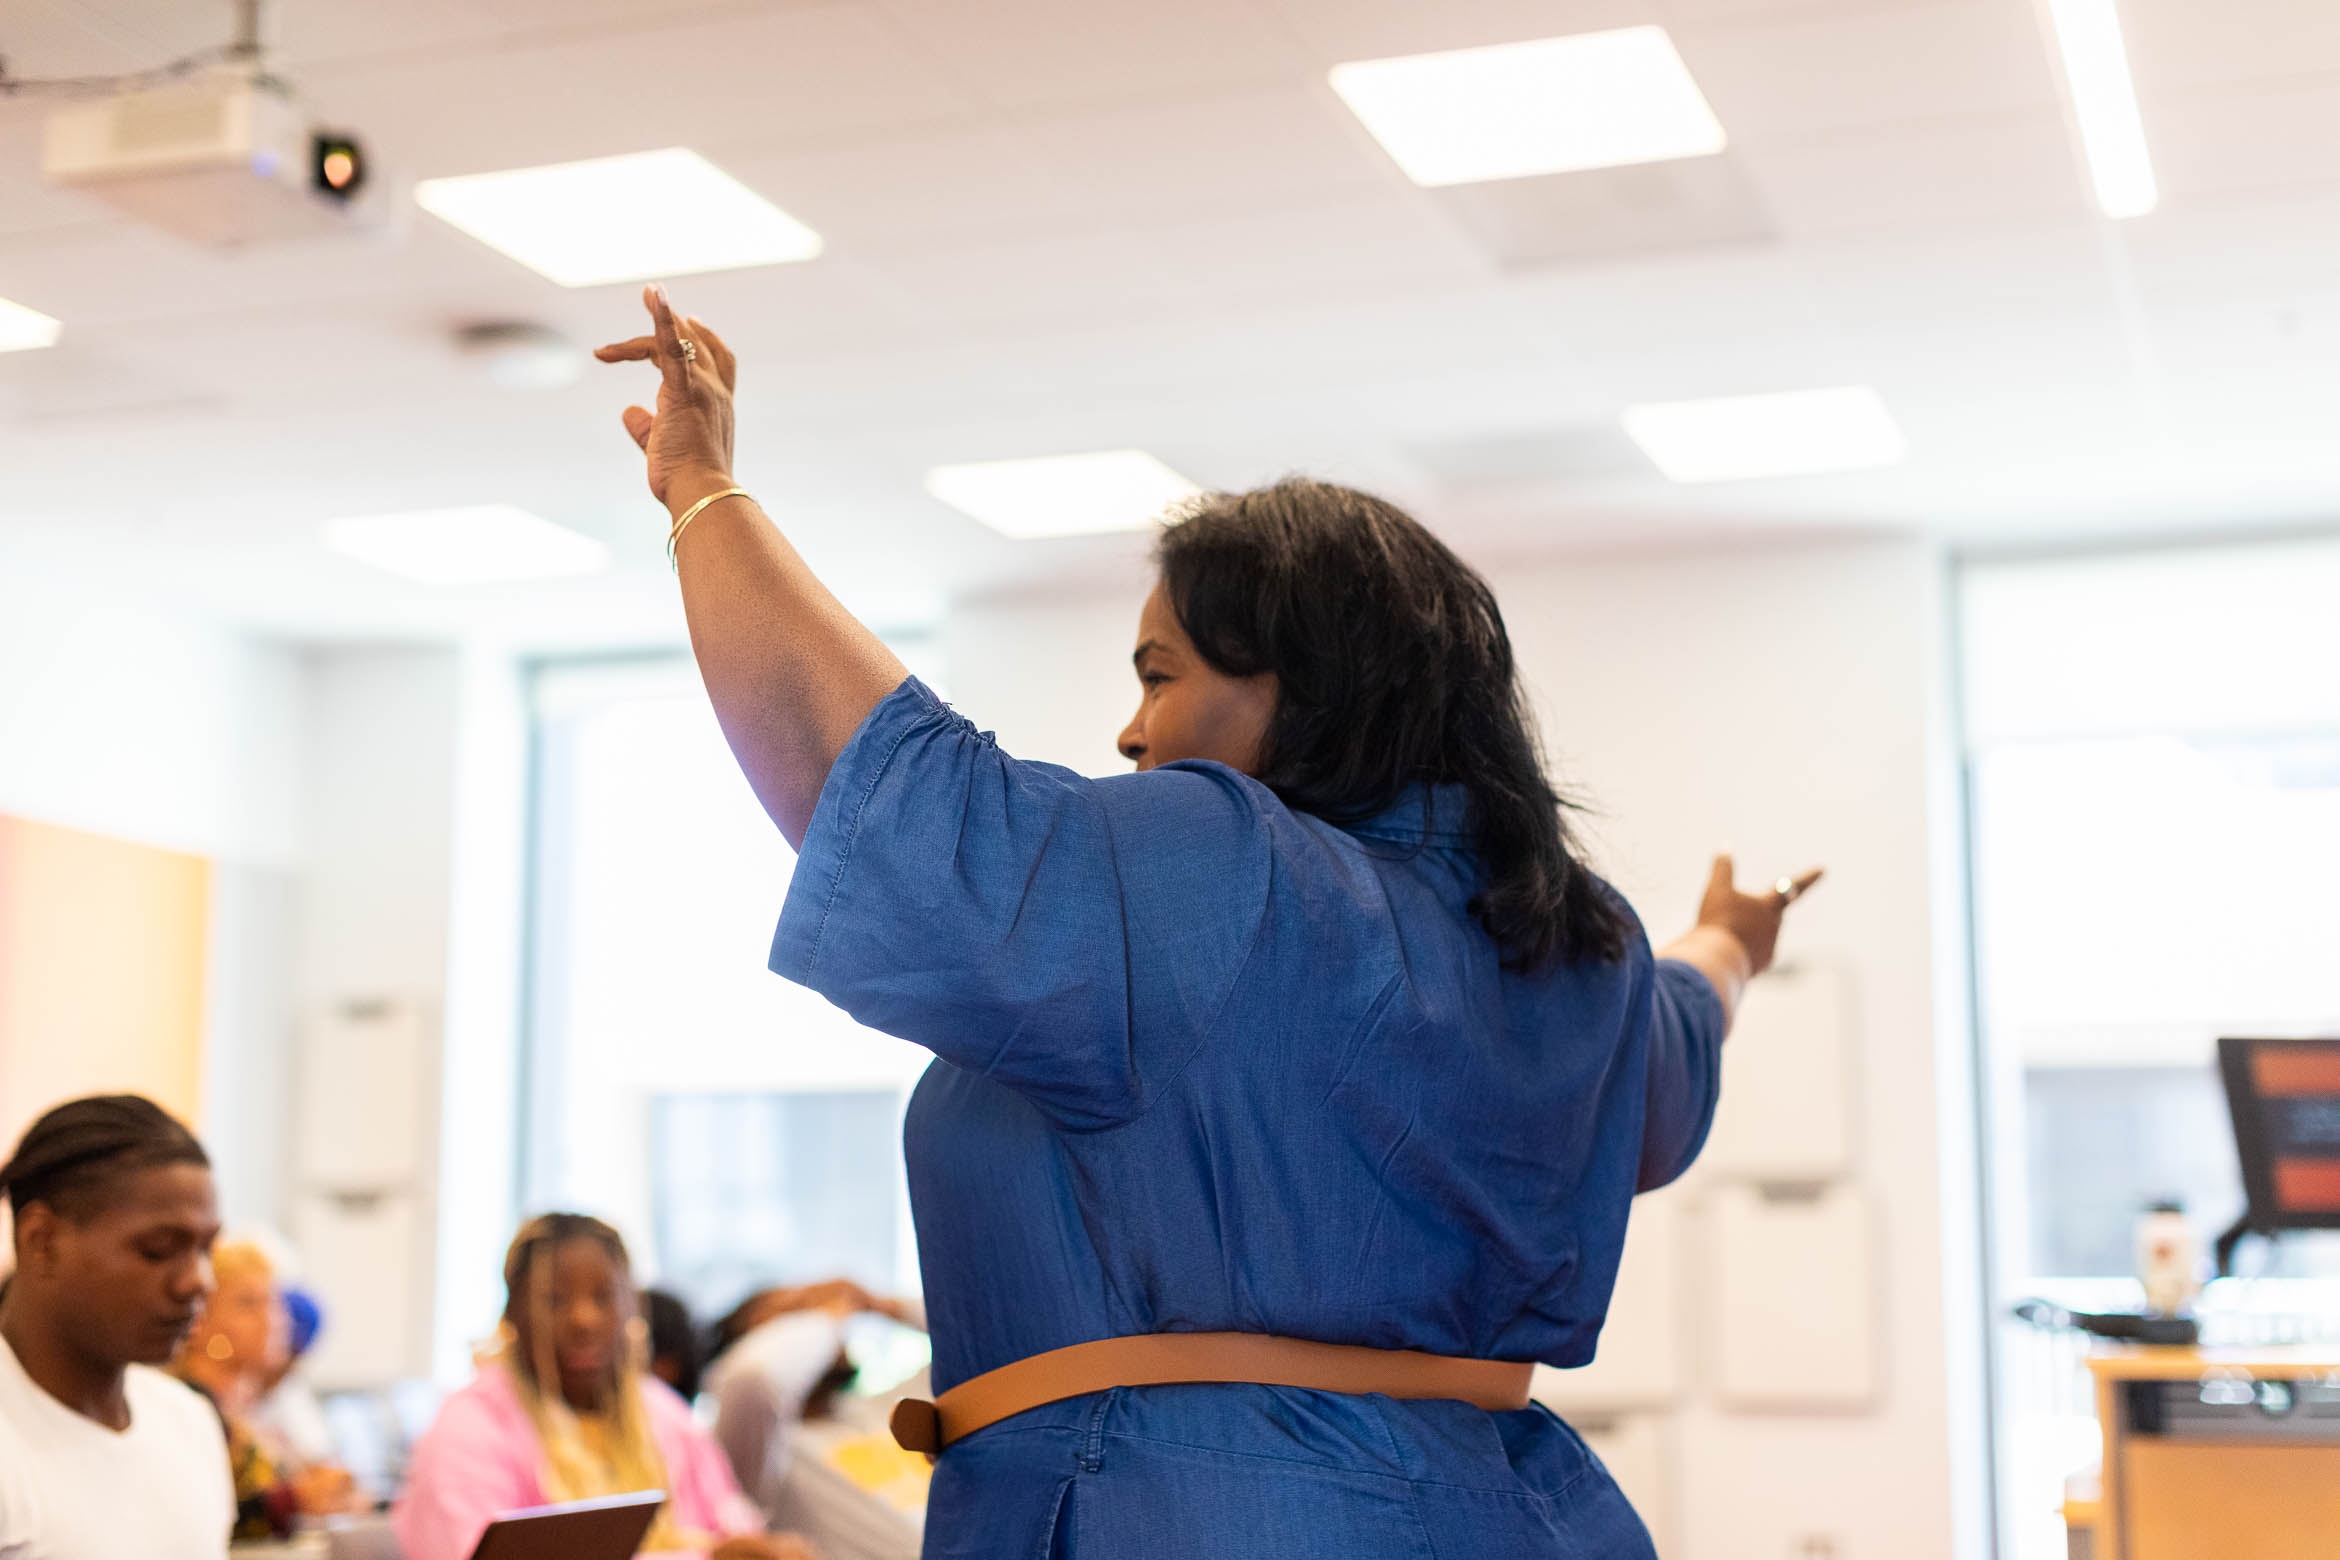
(670, 354)
(634, 351)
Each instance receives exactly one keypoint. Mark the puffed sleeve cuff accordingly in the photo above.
(837, 820)
(1685, 1070)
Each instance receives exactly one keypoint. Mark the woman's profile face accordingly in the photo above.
(1188, 708)
(589, 1300)
(244, 1326)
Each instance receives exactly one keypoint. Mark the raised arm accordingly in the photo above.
(790, 672)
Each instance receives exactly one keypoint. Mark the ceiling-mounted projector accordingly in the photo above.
(227, 158)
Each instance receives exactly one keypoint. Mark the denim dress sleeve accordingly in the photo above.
(1067, 937)
(1686, 1024)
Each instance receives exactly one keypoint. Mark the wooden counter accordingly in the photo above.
(2178, 1496)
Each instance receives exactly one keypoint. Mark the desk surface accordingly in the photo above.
(2130, 1362)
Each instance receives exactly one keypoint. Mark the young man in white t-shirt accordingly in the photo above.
(103, 1457)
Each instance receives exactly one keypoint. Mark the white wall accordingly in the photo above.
(1782, 703)
(416, 770)
(479, 1126)
(1053, 678)
(127, 719)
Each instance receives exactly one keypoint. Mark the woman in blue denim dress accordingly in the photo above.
(1314, 1026)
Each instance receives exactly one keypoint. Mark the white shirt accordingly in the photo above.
(71, 1489)
(760, 1387)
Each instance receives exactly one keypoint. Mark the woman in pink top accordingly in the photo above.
(564, 1411)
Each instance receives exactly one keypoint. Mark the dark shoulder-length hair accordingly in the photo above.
(1392, 669)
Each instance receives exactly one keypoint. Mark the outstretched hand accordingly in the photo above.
(1736, 933)
(1753, 919)
(688, 438)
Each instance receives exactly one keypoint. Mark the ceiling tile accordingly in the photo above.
(2014, 168)
(312, 34)
(1053, 283)
(768, 79)
(1246, 152)
(2263, 137)
(1339, 30)
(981, 184)
(62, 38)
(2178, 45)
(1379, 245)
(1693, 11)
(1055, 53)
(2267, 247)
(1808, 74)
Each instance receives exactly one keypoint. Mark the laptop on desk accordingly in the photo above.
(611, 1528)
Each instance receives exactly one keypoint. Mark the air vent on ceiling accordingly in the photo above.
(1612, 213)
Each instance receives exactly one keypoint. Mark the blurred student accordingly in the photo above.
(779, 1359)
(103, 1457)
(565, 1410)
(289, 1419)
(674, 1342)
(237, 1350)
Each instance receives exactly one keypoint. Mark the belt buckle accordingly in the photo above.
(917, 1426)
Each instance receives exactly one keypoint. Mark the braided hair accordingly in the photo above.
(71, 1157)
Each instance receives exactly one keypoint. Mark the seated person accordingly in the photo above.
(103, 1457)
(289, 1419)
(779, 1359)
(674, 1342)
(238, 1348)
(565, 1411)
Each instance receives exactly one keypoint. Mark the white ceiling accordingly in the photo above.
(1058, 225)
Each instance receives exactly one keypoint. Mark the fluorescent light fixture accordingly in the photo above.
(620, 219)
(22, 329)
(1794, 434)
(2104, 101)
(1063, 495)
(491, 544)
(1557, 105)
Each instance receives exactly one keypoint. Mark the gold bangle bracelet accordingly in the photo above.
(683, 520)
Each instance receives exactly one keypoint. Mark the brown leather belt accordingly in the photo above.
(1172, 1359)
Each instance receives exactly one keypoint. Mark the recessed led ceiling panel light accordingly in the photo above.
(620, 219)
(1063, 495)
(1556, 105)
(2104, 102)
(22, 329)
(1797, 433)
(491, 544)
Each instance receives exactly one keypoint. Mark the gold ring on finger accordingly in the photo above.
(690, 351)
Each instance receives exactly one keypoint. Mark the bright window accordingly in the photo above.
(2154, 776)
(739, 1129)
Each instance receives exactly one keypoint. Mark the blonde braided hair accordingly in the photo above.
(575, 1468)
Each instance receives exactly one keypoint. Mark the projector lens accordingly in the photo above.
(338, 166)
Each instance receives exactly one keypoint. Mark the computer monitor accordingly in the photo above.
(2284, 1096)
